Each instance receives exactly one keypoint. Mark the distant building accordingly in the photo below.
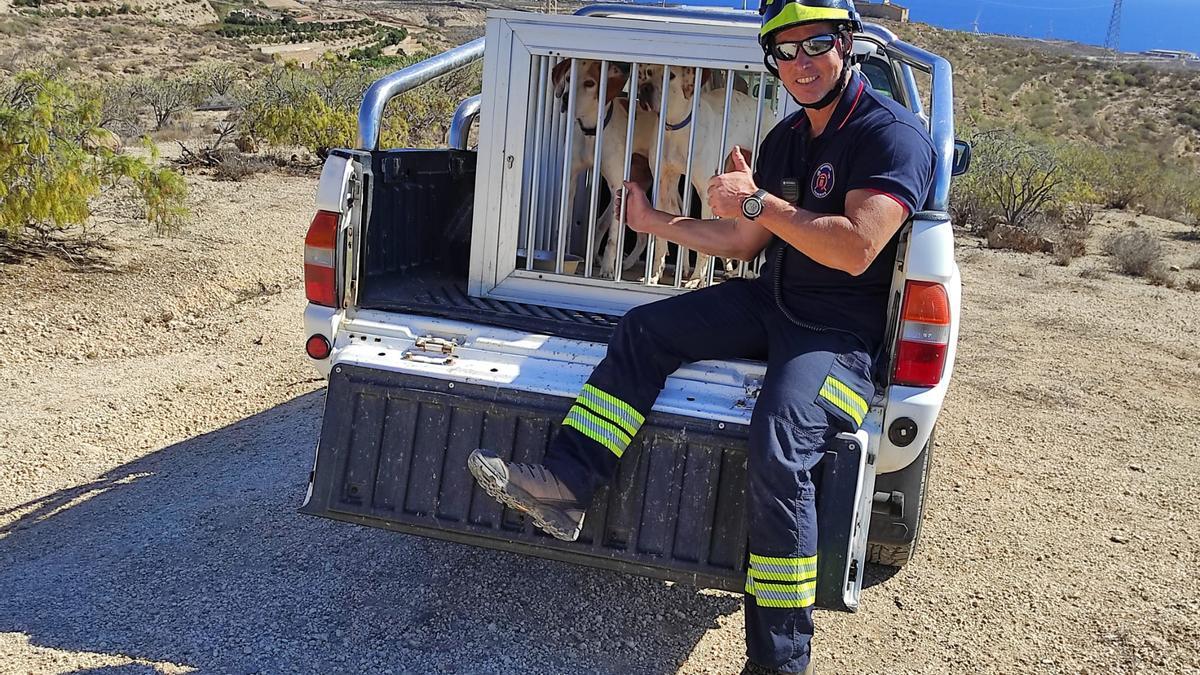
(1171, 54)
(885, 9)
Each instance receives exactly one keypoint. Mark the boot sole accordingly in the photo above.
(558, 523)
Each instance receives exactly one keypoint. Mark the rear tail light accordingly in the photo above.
(320, 259)
(924, 335)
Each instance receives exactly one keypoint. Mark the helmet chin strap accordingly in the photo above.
(834, 92)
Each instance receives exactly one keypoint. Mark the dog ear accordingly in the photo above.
(689, 81)
(559, 77)
(740, 84)
(616, 82)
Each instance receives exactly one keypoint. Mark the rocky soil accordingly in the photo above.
(159, 419)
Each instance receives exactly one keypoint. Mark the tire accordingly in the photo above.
(889, 555)
(884, 546)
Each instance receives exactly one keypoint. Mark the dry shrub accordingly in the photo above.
(235, 166)
(1136, 253)
(1193, 285)
(1186, 217)
(1194, 265)
(1070, 241)
(1079, 215)
(1020, 239)
(1093, 273)
(1068, 249)
(1159, 275)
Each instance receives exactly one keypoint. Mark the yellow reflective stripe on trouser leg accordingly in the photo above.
(767, 568)
(851, 395)
(598, 430)
(612, 408)
(852, 404)
(782, 582)
(783, 596)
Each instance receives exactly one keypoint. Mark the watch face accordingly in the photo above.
(752, 206)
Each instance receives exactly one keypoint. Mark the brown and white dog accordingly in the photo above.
(706, 158)
(615, 119)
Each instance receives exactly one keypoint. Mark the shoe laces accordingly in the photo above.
(536, 472)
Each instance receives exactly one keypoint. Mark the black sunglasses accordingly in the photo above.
(813, 46)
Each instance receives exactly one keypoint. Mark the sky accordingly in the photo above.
(1145, 24)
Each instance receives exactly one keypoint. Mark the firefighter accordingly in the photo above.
(834, 184)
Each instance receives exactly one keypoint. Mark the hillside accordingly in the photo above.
(1069, 91)
(1057, 89)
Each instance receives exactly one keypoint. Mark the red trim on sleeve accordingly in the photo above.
(893, 197)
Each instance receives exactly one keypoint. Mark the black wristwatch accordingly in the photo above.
(752, 206)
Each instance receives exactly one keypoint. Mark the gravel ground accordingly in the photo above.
(159, 423)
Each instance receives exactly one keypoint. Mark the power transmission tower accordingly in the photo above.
(1113, 41)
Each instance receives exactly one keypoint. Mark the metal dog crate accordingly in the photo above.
(528, 136)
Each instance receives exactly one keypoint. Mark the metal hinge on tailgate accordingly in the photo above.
(430, 349)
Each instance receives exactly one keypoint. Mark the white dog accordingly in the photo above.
(615, 120)
(706, 159)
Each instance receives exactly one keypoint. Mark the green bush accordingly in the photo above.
(1012, 177)
(317, 107)
(52, 161)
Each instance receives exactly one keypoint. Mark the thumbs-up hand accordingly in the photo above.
(726, 191)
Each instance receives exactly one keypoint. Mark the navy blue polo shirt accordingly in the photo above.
(871, 143)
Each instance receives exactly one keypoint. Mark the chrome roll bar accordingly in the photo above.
(370, 112)
(460, 125)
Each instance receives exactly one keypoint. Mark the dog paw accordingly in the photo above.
(693, 283)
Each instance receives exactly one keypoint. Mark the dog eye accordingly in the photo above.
(672, 76)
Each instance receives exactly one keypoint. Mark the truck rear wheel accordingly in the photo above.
(896, 525)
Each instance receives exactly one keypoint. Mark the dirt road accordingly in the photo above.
(159, 420)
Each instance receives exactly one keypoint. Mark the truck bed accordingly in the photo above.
(416, 245)
(433, 293)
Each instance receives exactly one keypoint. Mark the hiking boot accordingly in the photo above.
(752, 668)
(531, 489)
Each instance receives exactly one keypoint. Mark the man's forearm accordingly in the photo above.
(830, 240)
(721, 237)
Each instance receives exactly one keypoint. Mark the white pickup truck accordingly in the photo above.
(439, 334)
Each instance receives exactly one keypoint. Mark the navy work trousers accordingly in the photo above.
(817, 384)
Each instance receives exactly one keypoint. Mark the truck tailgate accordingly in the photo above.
(393, 453)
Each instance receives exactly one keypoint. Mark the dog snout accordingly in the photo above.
(647, 93)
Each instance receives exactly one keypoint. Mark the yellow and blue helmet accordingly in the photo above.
(780, 14)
